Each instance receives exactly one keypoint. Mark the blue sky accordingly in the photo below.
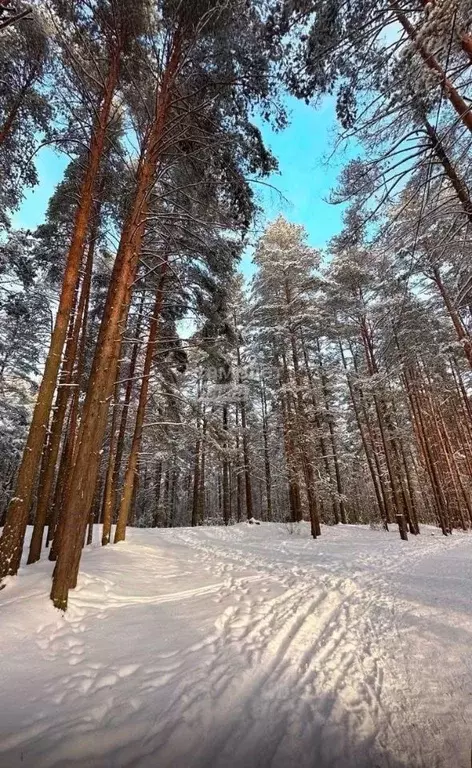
(50, 166)
(305, 176)
(304, 179)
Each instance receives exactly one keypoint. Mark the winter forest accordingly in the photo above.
(305, 424)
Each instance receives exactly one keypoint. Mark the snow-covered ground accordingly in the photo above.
(244, 647)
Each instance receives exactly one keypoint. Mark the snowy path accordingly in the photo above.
(245, 647)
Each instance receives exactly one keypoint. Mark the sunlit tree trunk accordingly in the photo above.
(11, 542)
(105, 363)
(51, 452)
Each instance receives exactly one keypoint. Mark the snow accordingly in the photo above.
(244, 647)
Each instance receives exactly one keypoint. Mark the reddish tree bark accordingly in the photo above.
(462, 334)
(11, 542)
(131, 469)
(104, 367)
(460, 105)
(62, 400)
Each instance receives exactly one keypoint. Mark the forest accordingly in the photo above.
(200, 407)
(144, 381)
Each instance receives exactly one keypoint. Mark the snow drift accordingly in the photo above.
(244, 647)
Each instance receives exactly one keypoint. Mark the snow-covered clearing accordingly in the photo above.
(244, 647)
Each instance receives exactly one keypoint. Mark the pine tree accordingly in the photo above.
(116, 40)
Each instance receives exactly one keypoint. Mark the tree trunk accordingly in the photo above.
(173, 494)
(465, 40)
(107, 503)
(70, 437)
(246, 456)
(332, 435)
(197, 459)
(385, 430)
(457, 182)
(201, 496)
(225, 485)
(117, 440)
(267, 470)
(62, 400)
(451, 93)
(131, 469)
(319, 428)
(94, 516)
(461, 388)
(301, 422)
(196, 482)
(425, 448)
(166, 495)
(239, 478)
(294, 496)
(143, 495)
(157, 493)
(120, 442)
(400, 519)
(105, 362)
(11, 542)
(462, 334)
(370, 463)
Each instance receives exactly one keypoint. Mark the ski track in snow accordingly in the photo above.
(245, 647)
